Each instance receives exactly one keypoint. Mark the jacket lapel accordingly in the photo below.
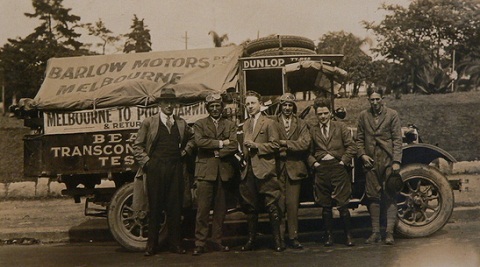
(293, 126)
(221, 127)
(258, 126)
(181, 127)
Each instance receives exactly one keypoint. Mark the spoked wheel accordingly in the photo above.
(425, 203)
(129, 227)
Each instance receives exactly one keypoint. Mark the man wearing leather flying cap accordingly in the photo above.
(294, 148)
(216, 140)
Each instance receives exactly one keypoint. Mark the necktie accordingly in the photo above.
(169, 124)
(287, 125)
(215, 122)
(324, 130)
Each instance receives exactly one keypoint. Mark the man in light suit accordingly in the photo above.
(380, 148)
(294, 149)
(259, 177)
(332, 149)
(158, 149)
(216, 140)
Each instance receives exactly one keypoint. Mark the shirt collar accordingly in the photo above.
(164, 117)
(256, 116)
(215, 120)
(285, 118)
(327, 124)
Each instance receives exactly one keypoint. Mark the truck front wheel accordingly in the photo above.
(425, 203)
(130, 227)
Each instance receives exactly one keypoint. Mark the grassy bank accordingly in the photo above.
(449, 121)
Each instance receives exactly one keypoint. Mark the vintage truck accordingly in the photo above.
(86, 114)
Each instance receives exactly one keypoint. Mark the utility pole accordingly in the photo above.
(186, 40)
(2, 78)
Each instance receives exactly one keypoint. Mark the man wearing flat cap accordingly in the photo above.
(294, 149)
(158, 149)
(216, 141)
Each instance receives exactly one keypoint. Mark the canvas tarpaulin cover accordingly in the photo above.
(90, 82)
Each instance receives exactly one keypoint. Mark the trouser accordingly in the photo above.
(289, 202)
(208, 191)
(165, 193)
(252, 189)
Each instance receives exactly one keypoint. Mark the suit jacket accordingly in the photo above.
(387, 134)
(266, 136)
(142, 150)
(207, 140)
(339, 143)
(298, 143)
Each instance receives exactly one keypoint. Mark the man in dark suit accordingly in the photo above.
(380, 148)
(259, 178)
(158, 149)
(294, 148)
(332, 149)
(216, 140)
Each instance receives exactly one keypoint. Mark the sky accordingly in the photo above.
(170, 21)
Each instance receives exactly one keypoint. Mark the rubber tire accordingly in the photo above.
(273, 42)
(445, 193)
(119, 203)
(283, 51)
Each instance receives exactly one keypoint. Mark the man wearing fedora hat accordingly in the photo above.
(158, 149)
(294, 148)
(216, 141)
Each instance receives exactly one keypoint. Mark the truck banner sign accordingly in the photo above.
(112, 119)
(91, 82)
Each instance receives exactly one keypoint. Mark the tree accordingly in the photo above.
(218, 40)
(355, 61)
(24, 59)
(99, 30)
(58, 25)
(139, 39)
(424, 36)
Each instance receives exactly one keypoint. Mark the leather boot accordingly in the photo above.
(345, 215)
(374, 209)
(275, 223)
(327, 217)
(252, 220)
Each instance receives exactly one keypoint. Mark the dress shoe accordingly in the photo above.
(329, 239)
(199, 250)
(150, 250)
(294, 243)
(178, 250)
(149, 253)
(349, 241)
(389, 239)
(374, 238)
(249, 246)
(219, 247)
(279, 248)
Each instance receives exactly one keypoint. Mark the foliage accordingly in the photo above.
(355, 62)
(139, 38)
(99, 30)
(424, 36)
(218, 40)
(24, 59)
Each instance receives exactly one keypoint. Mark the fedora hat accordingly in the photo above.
(167, 94)
(394, 183)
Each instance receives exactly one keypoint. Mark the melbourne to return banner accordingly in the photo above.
(92, 82)
(111, 119)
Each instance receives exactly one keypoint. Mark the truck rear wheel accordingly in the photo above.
(425, 203)
(129, 227)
